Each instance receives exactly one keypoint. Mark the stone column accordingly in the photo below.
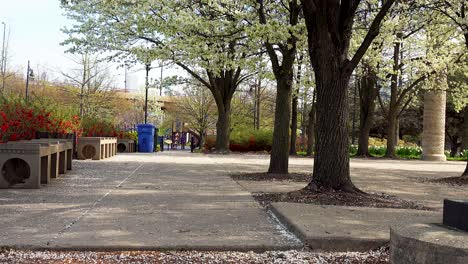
(433, 138)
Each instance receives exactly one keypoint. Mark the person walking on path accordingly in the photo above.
(192, 144)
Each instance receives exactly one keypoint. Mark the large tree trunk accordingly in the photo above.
(393, 105)
(391, 131)
(329, 27)
(292, 148)
(368, 94)
(279, 160)
(223, 126)
(331, 164)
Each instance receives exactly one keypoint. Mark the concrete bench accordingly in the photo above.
(126, 145)
(66, 152)
(56, 159)
(96, 148)
(24, 165)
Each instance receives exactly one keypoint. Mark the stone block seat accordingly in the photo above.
(24, 165)
(65, 152)
(126, 145)
(55, 157)
(96, 148)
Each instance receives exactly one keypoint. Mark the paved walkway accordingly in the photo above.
(169, 200)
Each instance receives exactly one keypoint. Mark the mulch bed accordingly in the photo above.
(263, 176)
(376, 200)
(379, 256)
(455, 181)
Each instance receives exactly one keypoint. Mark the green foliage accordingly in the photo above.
(409, 152)
(462, 156)
(377, 151)
(131, 135)
(353, 150)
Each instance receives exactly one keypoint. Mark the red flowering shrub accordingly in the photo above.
(20, 120)
(94, 127)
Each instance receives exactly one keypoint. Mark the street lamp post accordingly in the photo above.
(29, 75)
(3, 58)
(161, 80)
(148, 68)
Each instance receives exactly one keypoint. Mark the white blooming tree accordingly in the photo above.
(205, 38)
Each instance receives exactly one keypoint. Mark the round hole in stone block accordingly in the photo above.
(16, 171)
(88, 151)
(121, 147)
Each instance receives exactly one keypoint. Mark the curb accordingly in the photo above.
(336, 243)
(162, 248)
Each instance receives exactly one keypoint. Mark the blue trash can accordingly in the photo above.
(145, 137)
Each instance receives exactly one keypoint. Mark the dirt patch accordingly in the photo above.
(377, 200)
(263, 176)
(456, 181)
(379, 256)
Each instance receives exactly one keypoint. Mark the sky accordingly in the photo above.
(35, 35)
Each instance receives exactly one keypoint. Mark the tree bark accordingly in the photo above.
(292, 148)
(311, 130)
(279, 160)
(223, 126)
(393, 105)
(367, 95)
(329, 25)
(332, 110)
(391, 131)
(283, 71)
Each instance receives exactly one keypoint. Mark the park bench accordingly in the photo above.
(65, 152)
(56, 151)
(24, 165)
(96, 148)
(126, 145)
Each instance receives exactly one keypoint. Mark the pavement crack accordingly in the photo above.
(95, 203)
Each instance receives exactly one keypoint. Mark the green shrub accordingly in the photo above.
(377, 151)
(409, 152)
(462, 156)
(353, 150)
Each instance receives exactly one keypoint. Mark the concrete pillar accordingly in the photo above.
(433, 138)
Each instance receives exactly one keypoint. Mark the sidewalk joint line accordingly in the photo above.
(68, 226)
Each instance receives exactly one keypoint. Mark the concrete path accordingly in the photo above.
(353, 228)
(169, 200)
